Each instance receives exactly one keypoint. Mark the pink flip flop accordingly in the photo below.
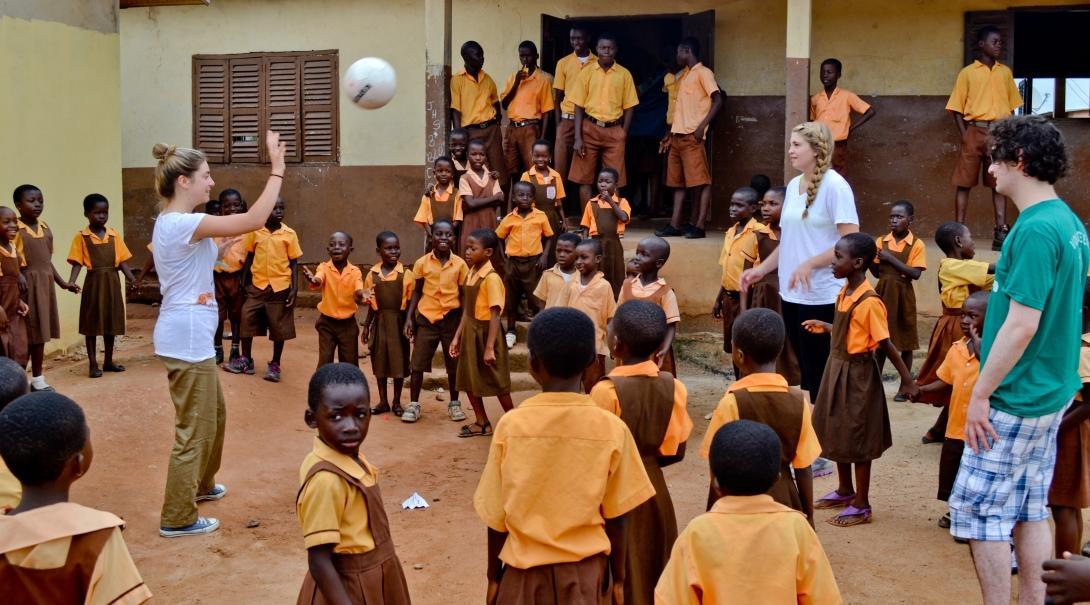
(833, 500)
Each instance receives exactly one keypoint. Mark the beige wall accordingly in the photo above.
(61, 123)
(156, 67)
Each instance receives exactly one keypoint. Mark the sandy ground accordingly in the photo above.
(902, 557)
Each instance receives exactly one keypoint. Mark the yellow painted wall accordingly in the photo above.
(61, 124)
(158, 44)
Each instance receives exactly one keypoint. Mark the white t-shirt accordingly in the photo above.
(187, 318)
(802, 239)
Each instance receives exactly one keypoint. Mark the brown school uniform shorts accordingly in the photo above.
(603, 148)
(428, 337)
(973, 159)
(840, 157)
(340, 337)
(562, 149)
(230, 295)
(493, 148)
(518, 145)
(521, 277)
(687, 162)
(266, 311)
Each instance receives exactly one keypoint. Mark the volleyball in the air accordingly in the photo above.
(370, 82)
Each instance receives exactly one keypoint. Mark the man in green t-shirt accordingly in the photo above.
(1029, 365)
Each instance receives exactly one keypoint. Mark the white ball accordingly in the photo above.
(370, 82)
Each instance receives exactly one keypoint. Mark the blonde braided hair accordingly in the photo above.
(820, 139)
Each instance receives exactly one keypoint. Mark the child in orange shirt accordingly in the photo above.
(482, 194)
(13, 311)
(652, 403)
(651, 255)
(958, 373)
(591, 294)
(53, 550)
(747, 548)
(390, 285)
(482, 363)
(342, 290)
(230, 293)
(739, 253)
(102, 305)
(764, 396)
(527, 240)
(604, 219)
(440, 202)
(350, 553)
(553, 279)
(556, 535)
(901, 260)
(548, 189)
(850, 416)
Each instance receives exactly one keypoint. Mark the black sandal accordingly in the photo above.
(485, 430)
(381, 408)
(113, 367)
(398, 410)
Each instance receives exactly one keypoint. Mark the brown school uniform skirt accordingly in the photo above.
(765, 294)
(585, 582)
(947, 331)
(230, 295)
(493, 146)
(101, 307)
(900, 300)
(732, 307)
(14, 338)
(266, 311)
(474, 377)
(1071, 479)
(43, 321)
(338, 337)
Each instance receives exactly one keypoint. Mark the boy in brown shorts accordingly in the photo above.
(567, 70)
(475, 106)
(984, 93)
(698, 102)
(528, 99)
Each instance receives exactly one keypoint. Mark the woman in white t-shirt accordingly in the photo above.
(185, 255)
(818, 209)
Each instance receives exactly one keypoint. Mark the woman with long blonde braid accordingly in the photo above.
(818, 209)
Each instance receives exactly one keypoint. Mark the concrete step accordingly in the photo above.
(520, 381)
(518, 358)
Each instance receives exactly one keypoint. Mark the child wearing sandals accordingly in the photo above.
(850, 415)
(482, 364)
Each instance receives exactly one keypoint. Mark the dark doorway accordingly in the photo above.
(647, 47)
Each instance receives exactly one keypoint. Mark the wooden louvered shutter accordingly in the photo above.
(210, 108)
(282, 103)
(245, 93)
(319, 87)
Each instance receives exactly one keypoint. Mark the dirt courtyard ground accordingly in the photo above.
(902, 557)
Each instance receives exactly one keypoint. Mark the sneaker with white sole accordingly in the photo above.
(203, 525)
(411, 413)
(454, 410)
(217, 492)
(511, 338)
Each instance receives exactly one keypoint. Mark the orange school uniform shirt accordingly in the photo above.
(79, 254)
(567, 70)
(955, 277)
(491, 294)
(528, 488)
(551, 283)
(668, 303)
(983, 93)
(595, 299)
(552, 179)
(591, 224)
(680, 426)
(748, 549)
(917, 254)
(960, 370)
(425, 215)
(374, 276)
(41, 538)
(338, 289)
(604, 94)
(868, 327)
(474, 98)
(15, 253)
(695, 87)
(534, 96)
(836, 110)
(670, 86)
(234, 255)
(809, 447)
(522, 234)
(439, 295)
(331, 510)
(739, 252)
(273, 252)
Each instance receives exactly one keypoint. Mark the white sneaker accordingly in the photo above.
(411, 413)
(203, 525)
(511, 339)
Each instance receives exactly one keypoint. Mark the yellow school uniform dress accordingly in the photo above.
(748, 549)
(482, 292)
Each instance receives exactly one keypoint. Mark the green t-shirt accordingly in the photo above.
(1043, 266)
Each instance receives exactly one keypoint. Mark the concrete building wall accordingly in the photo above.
(60, 115)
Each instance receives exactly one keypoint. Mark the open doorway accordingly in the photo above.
(647, 46)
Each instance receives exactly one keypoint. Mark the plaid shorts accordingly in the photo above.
(1007, 484)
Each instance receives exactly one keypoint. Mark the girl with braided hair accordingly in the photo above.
(818, 209)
